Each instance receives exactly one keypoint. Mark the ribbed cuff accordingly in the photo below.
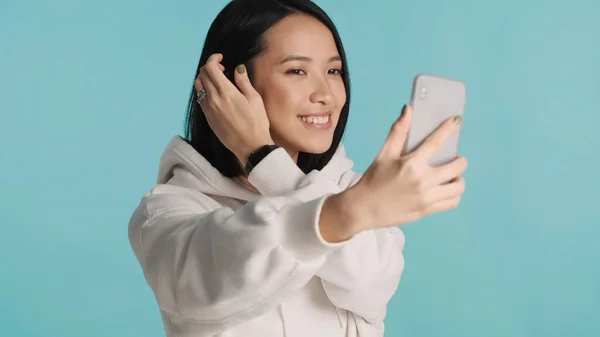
(276, 174)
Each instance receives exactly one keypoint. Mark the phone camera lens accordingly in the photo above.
(423, 93)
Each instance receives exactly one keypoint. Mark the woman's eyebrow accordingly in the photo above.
(307, 59)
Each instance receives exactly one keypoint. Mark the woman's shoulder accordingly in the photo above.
(164, 198)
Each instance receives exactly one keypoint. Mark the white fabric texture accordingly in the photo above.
(225, 261)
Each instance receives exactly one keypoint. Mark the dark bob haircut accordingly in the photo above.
(238, 33)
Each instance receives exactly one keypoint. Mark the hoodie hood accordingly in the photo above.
(181, 164)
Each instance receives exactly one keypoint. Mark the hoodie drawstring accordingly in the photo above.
(285, 331)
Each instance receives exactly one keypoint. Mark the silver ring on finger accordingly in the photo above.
(201, 95)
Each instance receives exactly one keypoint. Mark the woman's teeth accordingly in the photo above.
(315, 119)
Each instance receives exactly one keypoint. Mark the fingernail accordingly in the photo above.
(457, 119)
(241, 69)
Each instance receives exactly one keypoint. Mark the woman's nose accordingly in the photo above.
(322, 93)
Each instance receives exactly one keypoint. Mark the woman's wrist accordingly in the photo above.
(340, 217)
(276, 174)
(243, 154)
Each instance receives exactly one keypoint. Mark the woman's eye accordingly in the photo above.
(302, 72)
(296, 72)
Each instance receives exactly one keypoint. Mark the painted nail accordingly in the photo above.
(241, 69)
(457, 119)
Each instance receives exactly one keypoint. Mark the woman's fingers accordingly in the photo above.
(208, 83)
(454, 188)
(445, 173)
(444, 197)
(214, 70)
(214, 81)
(394, 144)
(436, 140)
(198, 84)
(243, 82)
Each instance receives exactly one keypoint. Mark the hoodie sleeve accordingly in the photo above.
(217, 267)
(360, 276)
(363, 275)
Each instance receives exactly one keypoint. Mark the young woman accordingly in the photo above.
(258, 226)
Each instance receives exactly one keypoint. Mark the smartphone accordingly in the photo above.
(434, 99)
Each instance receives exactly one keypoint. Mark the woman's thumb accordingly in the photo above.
(243, 81)
(394, 144)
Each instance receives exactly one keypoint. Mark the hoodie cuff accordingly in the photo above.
(303, 236)
(276, 174)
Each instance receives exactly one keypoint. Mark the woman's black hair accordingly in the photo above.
(238, 33)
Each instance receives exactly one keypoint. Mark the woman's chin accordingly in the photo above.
(315, 147)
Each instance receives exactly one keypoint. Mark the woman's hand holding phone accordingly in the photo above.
(399, 188)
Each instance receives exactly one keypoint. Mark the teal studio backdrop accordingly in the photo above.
(92, 91)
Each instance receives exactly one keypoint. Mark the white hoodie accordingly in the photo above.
(225, 261)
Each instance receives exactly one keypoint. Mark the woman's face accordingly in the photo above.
(299, 78)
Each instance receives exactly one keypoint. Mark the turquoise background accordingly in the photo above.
(91, 92)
